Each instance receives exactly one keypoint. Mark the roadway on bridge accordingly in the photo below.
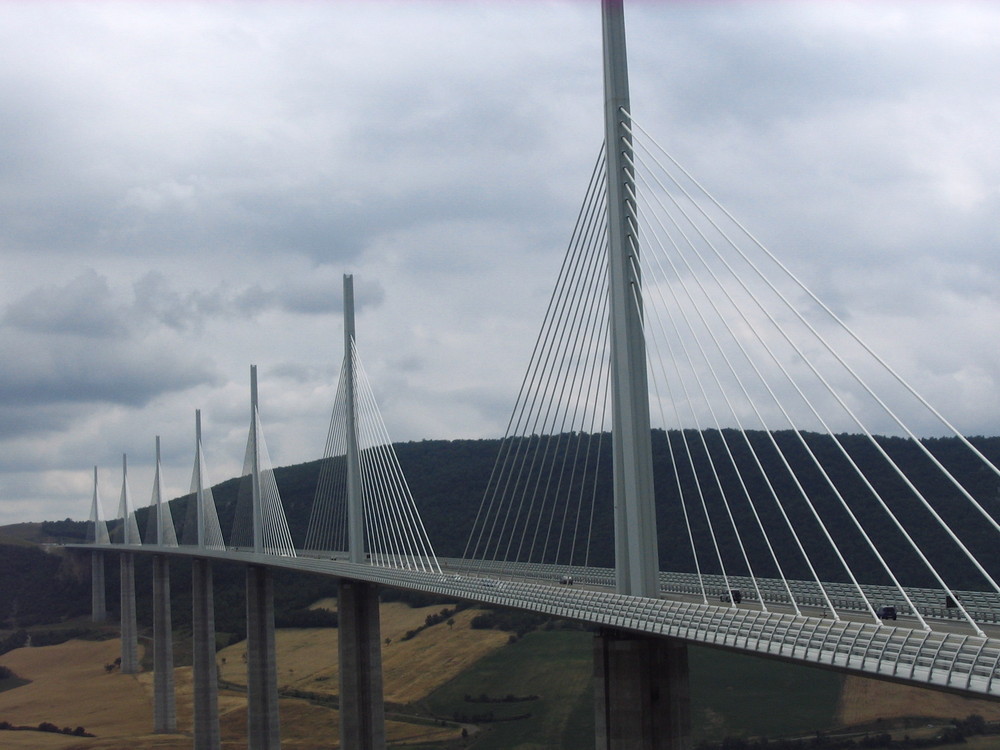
(938, 624)
(949, 658)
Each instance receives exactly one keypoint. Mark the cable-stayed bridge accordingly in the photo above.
(759, 469)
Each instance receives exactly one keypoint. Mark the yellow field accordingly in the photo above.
(71, 688)
(864, 700)
(307, 658)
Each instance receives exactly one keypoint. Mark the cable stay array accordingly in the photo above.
(327, 530)
(259, 523)
(127, 531)
(783, 465)
(549, 491)
(159, 521)
(97, 528)
(394, 534)
(201, 521)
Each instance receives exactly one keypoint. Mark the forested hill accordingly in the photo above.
(448, 479)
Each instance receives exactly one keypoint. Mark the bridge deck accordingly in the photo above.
(953, 661)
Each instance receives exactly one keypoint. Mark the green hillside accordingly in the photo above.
(448, 480)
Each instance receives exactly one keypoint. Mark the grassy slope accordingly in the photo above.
(745, 696)
(732, 695)
(22, 534)
(555, 665)
(865, 701)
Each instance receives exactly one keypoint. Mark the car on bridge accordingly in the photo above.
(887, 613)
(734, 595)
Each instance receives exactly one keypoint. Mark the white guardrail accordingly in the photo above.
(964, 663)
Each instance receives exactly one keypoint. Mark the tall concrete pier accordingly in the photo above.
(641, 693)
(205, 672)
(164, 701)
(263, 728)
(129, 631)
(126, 562)
(98, 604)
(99, 535)
(640, 684)
(206, 682)
(362, 711)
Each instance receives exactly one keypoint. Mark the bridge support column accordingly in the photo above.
(641, 692)
(164, 700)
(98, 607)
(362, 711)
(129, 631)
(206, 682)
(263, 729)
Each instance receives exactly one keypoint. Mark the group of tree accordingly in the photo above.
(956, 733)
(45, 726)
(449, 479)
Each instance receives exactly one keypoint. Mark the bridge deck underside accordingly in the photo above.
(963, 663)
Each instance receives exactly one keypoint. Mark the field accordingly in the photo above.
(549, 670)
(411, 668)
(530, 694)
(864, 701)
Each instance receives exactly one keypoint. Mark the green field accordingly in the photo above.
(553, 665)
(12, 682)
(731, 695)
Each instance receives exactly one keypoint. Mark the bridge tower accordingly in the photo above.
(126, 565)
(263, 728)
(98, 605)
(164, 699)
(636, 558)
(206, 683)
(362, 711)
(640, 683)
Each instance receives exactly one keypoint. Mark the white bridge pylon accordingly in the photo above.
(259, 524)
(780, 448)
(363, 507)
(389, 530)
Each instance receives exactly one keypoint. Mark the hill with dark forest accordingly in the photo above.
(448, 479)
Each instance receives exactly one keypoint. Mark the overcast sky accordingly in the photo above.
(182, 186)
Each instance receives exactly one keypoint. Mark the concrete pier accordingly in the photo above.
(641, 693)
(129, 631)
(263, 728)
(362, 711)
(206, 683)
(164, 700)
(98, 606)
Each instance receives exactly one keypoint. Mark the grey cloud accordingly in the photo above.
(319, 293)
(71, 371)
(220, 171)
(83, 307)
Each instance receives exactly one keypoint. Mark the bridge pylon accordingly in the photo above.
(641, 684)
(636, 557)
(99, 531)
(127, 623)
(263, 726)
(164, 697)
(362, 711)
(206, 681)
